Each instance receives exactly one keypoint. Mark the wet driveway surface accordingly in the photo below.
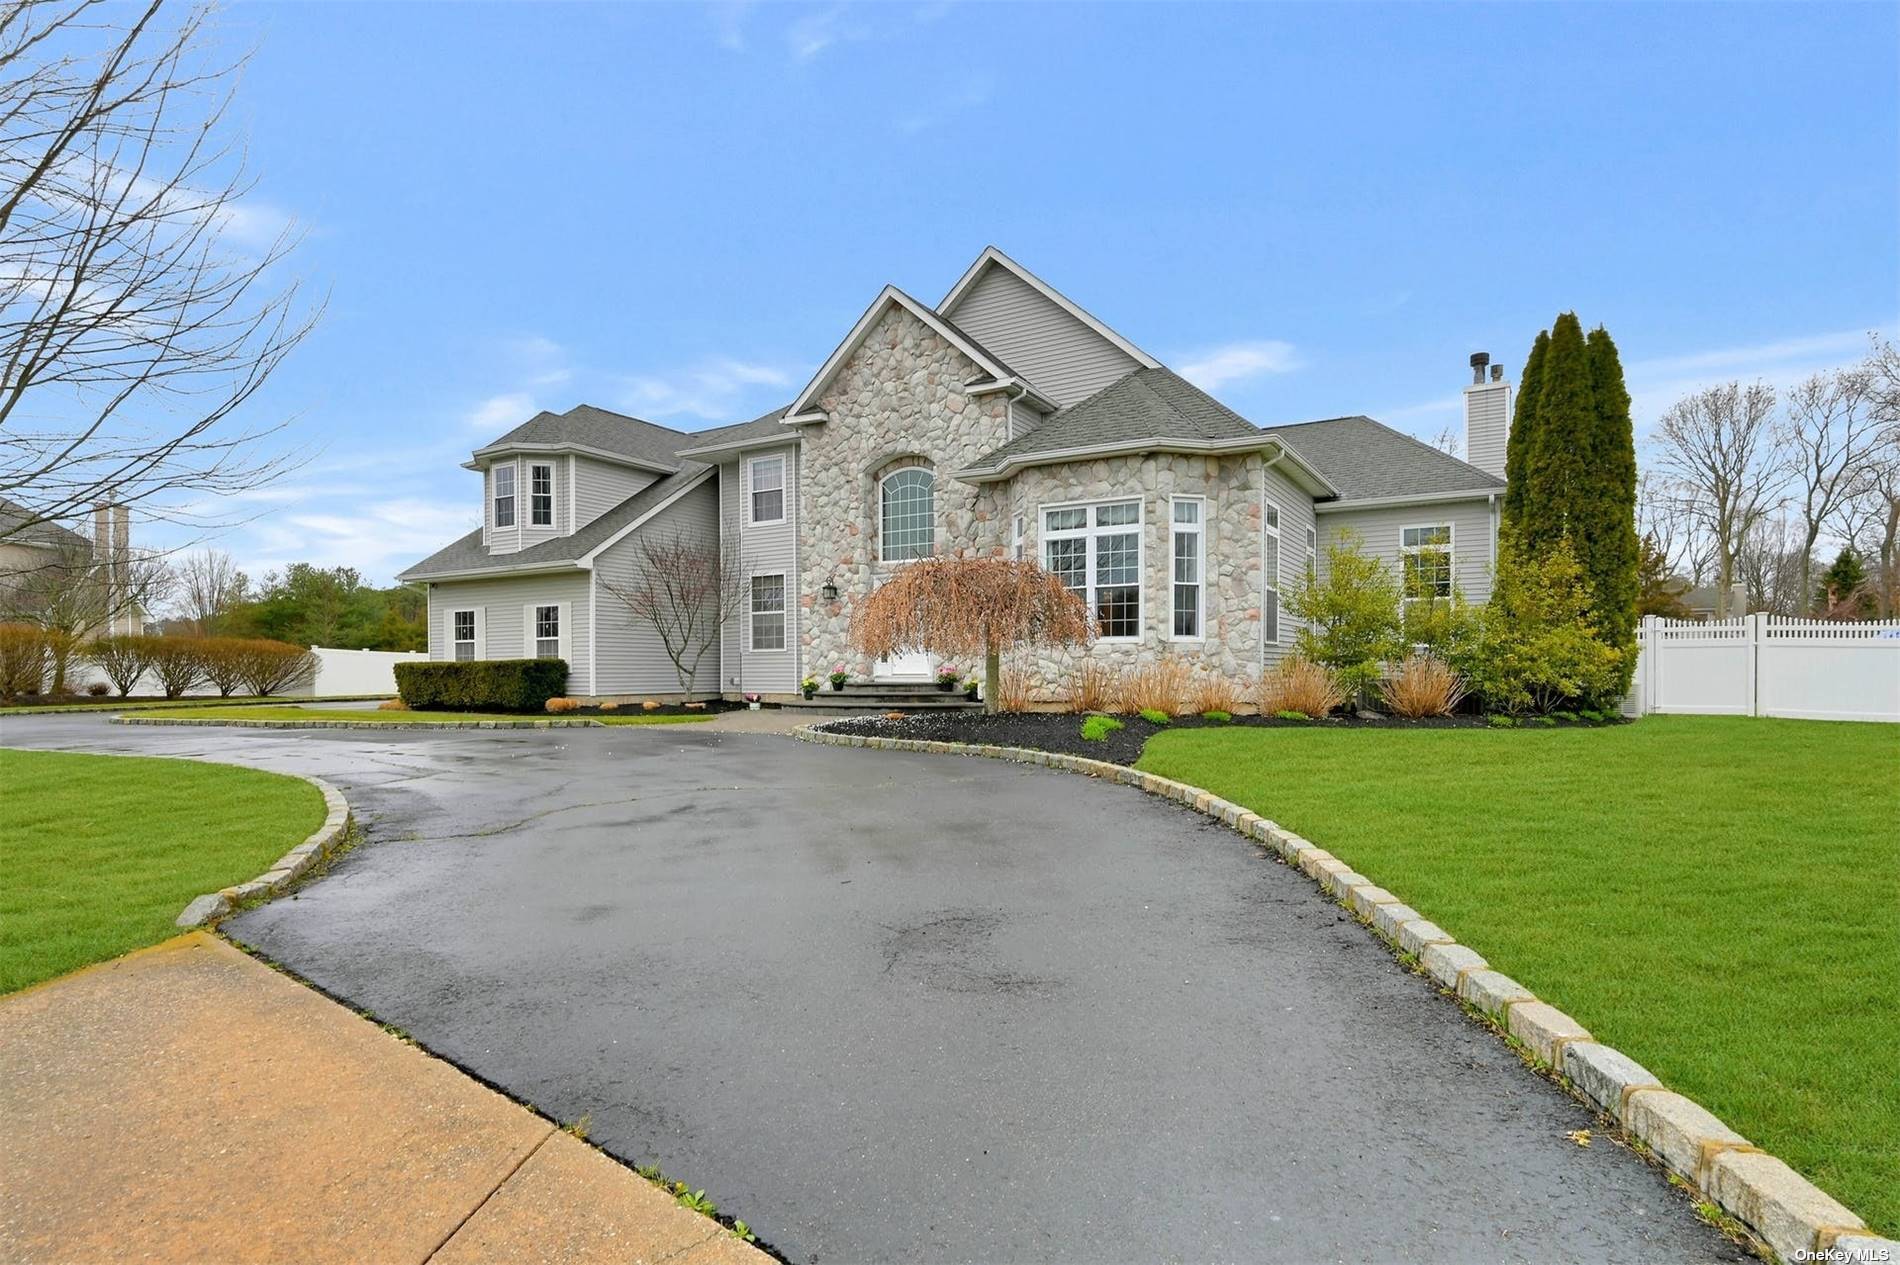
(898, 1007)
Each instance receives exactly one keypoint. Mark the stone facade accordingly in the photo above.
(899, 396)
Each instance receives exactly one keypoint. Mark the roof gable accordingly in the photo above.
(598, 432)
(1047, 335)
(803, 408)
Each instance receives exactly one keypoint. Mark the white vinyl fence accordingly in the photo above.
(1766, 665)
(340, 673)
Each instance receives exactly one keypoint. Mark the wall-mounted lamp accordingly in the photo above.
(830, 591)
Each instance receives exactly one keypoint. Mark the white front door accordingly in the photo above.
(906, 665)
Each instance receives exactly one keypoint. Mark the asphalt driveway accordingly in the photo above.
(892, 1007)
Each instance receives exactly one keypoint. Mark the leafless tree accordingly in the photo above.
(80, 591)
(137, 311)
(1773, 567)
(1450, 440)
(209, 584)
(1829, 432)
(1720, 443)
(1666, 512)
(687, 590)
(1878, 495)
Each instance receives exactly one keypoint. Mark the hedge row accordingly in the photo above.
(30, 654)
(507, 685)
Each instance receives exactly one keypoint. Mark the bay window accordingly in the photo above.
(541, 495)
(504, 478)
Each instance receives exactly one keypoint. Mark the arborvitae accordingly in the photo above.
(1523, 432)
(1556, 494)
(1606, 508)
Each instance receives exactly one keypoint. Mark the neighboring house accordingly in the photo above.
(1006, 421)
(41, 561)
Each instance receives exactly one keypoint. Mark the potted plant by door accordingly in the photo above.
(970, 688)
(808, 686)
(752, 701)
(839, 676)
(947, 678)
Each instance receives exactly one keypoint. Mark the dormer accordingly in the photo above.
(557, 472)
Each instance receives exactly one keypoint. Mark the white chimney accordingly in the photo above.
(1487, 415)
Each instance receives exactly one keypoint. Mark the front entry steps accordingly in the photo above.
(885, 696)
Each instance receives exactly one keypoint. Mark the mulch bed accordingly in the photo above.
(1062, 731)
(664, 709)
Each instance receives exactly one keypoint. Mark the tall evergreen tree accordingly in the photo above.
(1608, 543)
(1557, 470)
(1523, 431)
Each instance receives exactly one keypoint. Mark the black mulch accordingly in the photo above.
(1062, 731)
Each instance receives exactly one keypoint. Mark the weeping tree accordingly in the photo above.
(970, 606)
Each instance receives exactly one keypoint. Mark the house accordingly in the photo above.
(54, 575)
(1005, 421)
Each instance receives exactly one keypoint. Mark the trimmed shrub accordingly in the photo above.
(610, 707)
(222, 661)
(1537, 648)
(275, 667)
(392, 705)
(1160, 686)
(556, 706)
(1298, 684)
(122, 657)
(1094, 688)
(1098, 728)
(1422, 686)
(98, 689)
(506, 685)
(1349, 620)
(178, 663)
(22, 659)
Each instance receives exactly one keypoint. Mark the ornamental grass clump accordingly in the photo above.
(957, 607)
(1161, 686)
(1215, 692)
(557, 706)
(1422, 686)
(1297, 684)
(1012, 692)
(1094, 689)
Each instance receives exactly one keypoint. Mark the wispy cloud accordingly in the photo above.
(813, 33)
(968, 96)
(378, 535)
(729, 18)
(1222, 366)
(712, 390)
(500, 413)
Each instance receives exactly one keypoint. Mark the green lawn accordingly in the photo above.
(1717, 897)
(98, 854)
(373, 716)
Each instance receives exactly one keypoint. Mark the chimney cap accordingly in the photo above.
(1479, 359)
(1497, 373)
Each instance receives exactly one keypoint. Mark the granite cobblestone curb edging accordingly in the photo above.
(1795, 1218)
(240, 722)
(288, 868)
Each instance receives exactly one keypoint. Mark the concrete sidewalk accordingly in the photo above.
(187, 1103)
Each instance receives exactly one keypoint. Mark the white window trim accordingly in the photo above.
(563, 643)
(886, 478)
(752, 486)
(1451, 558)
(549, 467)
(1198, 530)
(784, 614)
(514, 496)
(477, 647)
(1089, 531)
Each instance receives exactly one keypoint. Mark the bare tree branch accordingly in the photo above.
(1722, 446)
(687, 590)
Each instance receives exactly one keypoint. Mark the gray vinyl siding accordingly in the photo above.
(1060, 355)
(630, 658)
(763, 550)
(1379, 534)
(1296, 516)
(601, 485)
(501, 600)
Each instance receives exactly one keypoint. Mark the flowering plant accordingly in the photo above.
(839, 675)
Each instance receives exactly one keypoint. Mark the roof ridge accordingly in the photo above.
(625, 417)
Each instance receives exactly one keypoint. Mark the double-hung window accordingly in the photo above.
(1425, 556)
(768, 612)
(462, 634)
(768, 490)
(547, 632)
(541, 495)
(1095, 550)
(1270, 574)
(504, 477)
(1190, 561)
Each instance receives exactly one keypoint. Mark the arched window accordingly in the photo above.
(907, 525)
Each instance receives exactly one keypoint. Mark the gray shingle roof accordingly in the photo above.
(1365, 459)
(1144, 404)
(57, 535)
(592, 427)
(467, 553)
(765, 426)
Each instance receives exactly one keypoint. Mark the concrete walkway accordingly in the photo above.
(187, 1103)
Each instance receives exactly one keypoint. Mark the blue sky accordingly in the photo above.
(1316, 210)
